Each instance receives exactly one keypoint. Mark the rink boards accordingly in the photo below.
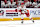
(9, 14)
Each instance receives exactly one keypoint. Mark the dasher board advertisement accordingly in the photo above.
(11, 13)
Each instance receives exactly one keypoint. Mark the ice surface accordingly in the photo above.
(18, 23)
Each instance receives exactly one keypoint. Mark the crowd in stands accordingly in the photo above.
(15, 4)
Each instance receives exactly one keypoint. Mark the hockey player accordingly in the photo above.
(24, 12)
(21, 11)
